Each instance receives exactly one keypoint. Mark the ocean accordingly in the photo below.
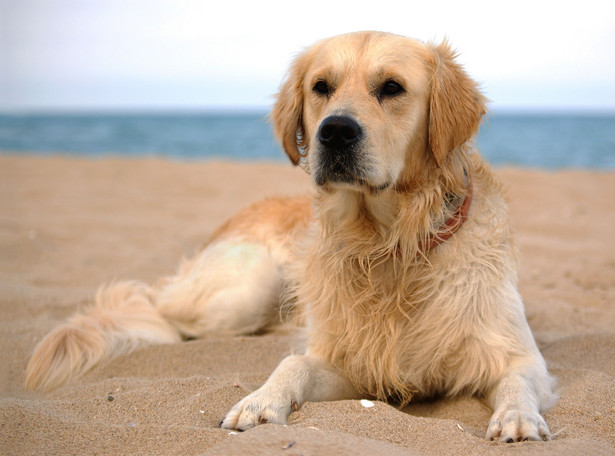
(537, 140)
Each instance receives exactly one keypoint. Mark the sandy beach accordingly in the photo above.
(68, 225)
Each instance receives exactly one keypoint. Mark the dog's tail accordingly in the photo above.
(122, 318)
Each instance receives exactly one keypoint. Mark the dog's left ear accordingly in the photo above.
(456, 106)
(287, 113)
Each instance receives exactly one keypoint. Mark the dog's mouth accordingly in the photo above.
(340, 159)
(347, 178)
(374, 189)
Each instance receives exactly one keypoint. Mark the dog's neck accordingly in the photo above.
(452, 224)
(401, 222)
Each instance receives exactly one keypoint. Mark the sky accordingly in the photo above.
(217, 54)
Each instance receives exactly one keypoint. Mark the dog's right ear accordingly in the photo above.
(456, 105)
(287, 113)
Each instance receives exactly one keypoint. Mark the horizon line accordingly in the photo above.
(265, 109)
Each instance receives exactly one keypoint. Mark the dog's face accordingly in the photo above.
(361, 97)
(366, 108)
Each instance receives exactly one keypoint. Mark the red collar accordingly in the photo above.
(451, 225)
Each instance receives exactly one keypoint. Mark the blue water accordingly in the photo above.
(550, 141)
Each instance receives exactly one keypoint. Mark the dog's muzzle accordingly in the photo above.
(339, 138)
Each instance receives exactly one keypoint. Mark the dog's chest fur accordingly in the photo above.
(400, 327)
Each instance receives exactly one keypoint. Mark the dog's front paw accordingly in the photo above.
(517, 425)
(260, 407)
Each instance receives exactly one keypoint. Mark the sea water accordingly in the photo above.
(539, 140)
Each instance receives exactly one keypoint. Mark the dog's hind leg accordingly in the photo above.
(231, 287)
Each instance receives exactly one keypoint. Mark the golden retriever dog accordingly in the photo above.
(401, 266)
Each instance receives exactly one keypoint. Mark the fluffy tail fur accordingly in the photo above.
(122, 318)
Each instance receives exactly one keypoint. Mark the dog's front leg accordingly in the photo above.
(298, 378)
(517, 401)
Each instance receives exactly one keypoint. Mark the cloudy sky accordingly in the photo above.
(189, 54)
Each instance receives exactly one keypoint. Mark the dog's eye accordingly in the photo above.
(321, 88)
(390, 89)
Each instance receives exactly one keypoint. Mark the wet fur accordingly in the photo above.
(385, 318)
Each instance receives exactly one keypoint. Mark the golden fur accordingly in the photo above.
(385, 317)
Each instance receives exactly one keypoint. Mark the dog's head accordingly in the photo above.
(365, 109)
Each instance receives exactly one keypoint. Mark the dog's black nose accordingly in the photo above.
(339, 132)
